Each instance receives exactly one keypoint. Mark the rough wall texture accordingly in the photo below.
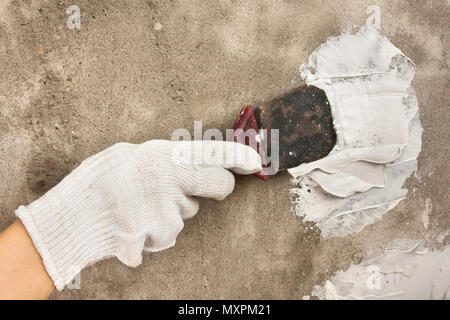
(67, 94)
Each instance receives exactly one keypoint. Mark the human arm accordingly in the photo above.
(22, 273)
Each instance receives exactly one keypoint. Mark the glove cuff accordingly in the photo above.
(66, 233)
(47, 259)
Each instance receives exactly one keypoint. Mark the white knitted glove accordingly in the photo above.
(129, 198)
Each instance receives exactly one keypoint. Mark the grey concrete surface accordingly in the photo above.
(67, 94)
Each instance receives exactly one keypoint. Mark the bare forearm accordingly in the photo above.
(22, 273)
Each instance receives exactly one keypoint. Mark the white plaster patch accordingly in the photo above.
(405, 271)
(375, 113)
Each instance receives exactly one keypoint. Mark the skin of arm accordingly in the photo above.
(22, 272)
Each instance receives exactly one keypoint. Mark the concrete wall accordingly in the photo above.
(67, 94)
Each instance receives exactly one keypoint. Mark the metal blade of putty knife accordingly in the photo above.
(305, 127)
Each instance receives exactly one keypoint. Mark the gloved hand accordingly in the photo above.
(129, 198)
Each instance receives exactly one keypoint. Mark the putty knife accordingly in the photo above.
(305, 127)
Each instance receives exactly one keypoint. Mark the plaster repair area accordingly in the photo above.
(406, 270)
(376, 116)
(379, 137)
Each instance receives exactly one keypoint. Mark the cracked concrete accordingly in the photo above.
(67, 94)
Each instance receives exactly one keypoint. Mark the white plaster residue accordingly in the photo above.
(443, 236)
(405, 271)
(375, 113)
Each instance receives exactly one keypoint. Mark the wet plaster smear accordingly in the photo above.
(376, 116)
(375, 113)
(406, 270)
